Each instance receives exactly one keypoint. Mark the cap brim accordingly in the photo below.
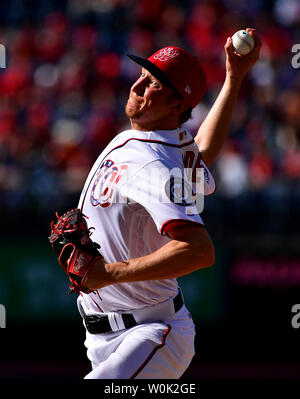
(154, 70)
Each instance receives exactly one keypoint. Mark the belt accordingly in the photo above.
(99, 324)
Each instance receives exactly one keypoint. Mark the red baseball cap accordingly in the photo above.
(177, 69)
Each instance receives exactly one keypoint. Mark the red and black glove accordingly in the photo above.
(76, 252)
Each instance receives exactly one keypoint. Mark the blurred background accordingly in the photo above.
(63, 94)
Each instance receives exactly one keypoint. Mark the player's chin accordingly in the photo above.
(132, 111)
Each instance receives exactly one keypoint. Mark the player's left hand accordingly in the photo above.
(98, 275)
(75, 251)
(238, 65)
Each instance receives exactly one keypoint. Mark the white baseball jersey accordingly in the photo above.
(134, 190)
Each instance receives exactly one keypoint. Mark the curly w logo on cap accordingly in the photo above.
(166, 54)
(183, 72)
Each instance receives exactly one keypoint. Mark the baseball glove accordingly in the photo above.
(76, 252)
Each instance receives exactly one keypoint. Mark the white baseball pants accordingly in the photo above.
(159, 350)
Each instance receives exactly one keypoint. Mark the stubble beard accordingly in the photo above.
(132, 111)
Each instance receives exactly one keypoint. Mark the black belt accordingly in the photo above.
(99, 324)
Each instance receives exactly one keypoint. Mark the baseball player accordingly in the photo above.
(140, 204)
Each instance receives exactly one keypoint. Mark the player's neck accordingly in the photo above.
(151, 126)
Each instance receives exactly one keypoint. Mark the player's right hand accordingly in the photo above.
(238, 65)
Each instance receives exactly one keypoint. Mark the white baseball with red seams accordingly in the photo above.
(243, 43)
(129, 211)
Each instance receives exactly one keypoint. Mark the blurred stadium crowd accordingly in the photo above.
(67, 80)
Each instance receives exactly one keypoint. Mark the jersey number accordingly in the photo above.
(188, 161)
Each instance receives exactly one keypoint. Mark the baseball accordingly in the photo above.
(242, 42)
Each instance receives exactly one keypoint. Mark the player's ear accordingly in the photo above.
(177, 104)
(182, 105)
